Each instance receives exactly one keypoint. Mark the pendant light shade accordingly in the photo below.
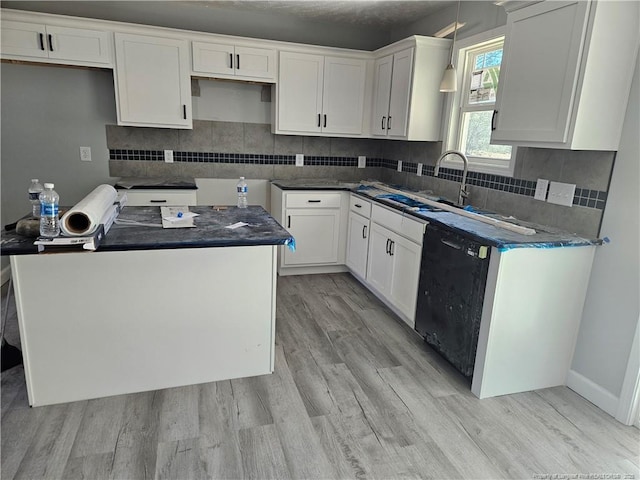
(449, 81)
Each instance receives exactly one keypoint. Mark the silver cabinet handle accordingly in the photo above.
(451, 244)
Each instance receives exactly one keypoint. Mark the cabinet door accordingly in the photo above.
(400, 93)
(256, 62)
(381, 91)
(76, 44)
(300, 92)
(343, 95)
(317, 234)
(358, 244)
(403, 293)
(539, 72)
(380, 263)
(212, 58)
(24, 39)
(153, 84)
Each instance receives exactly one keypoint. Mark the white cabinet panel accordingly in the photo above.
(300, 92)
(318, 94)
(403, 291)
(317, 234)
(400, 93)
(160, 197)
(233, 60)
(152, 81)
(72, 45)
(380, 264)
(383, 69)
(358, 244)
(558, 88)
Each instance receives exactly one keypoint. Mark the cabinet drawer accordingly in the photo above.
(312, 200)
(399, 223)
(360, 206)
(172, 198)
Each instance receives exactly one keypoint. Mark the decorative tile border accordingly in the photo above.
(583, 197)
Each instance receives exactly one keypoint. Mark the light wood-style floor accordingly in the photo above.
(355, 394)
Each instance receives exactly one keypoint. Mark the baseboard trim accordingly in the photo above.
(5, 274)
(593, 392)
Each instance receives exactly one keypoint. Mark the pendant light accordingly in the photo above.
(449, 79)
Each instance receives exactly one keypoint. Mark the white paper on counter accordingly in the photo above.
(170, 217)
(88, 213)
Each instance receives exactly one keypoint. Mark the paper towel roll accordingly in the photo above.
(84, 218)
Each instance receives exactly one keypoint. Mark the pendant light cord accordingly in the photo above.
(455, 31)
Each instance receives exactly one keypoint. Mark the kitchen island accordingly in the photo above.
(152, 308)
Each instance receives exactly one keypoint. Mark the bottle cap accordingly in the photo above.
(241, 178)
(49, 185)
(34, 180)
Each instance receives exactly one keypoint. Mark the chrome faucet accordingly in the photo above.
(463, 186)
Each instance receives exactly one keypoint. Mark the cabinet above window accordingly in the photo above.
(233, 61)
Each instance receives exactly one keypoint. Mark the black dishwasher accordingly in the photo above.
(453, 275)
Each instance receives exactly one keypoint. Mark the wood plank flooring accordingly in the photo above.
(356, 394)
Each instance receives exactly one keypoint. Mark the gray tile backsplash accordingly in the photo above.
(216, 149)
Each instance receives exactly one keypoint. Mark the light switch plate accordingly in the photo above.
(299, 160)
(85, 154)
(541, 189)
(399, 165)
(168, 156)
(362, 161)
(419, 172)
(561, 193)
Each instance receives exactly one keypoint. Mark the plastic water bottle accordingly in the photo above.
(49, 221)
(242, 193)
(34, 197)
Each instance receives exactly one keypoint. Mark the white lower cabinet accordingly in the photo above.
(358, 244)
(393, 270)
(160, 197)
(317, 232)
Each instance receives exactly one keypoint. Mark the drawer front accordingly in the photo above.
(360, 206)
(399, 223)
(313, 200)
(171, 198)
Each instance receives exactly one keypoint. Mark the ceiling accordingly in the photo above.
(384, 14)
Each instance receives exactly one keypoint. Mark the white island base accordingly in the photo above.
(109, 323)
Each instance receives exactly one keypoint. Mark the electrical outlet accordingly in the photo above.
(85, 154)
(299, 160)
(168, 156)
(399, 165)
(541, 189)
(362, 161)
(419, 172)
(561, 193)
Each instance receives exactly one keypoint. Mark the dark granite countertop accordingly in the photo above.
(156, 183)
(209, 231)
(545, 237)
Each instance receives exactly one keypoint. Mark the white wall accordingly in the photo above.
(612, 307)
(231, 102)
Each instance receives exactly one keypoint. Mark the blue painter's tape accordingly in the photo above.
(291, 243)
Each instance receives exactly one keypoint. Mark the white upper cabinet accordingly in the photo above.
(153, 85)
(407, 103)
(566, 74)
(227, 61)
(320, 94)
(47, 43)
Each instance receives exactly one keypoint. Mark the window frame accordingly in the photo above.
(454, 102)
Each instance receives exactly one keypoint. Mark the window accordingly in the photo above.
(469, 128)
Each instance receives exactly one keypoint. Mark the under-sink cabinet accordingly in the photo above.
(317, 222)
(320, 94)
(578, 103)
(393, 266)
(233, 61)
(153, 83)
(56, 44)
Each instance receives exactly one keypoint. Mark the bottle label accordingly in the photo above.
(242, 189)
(34, 195)
(49, 209)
